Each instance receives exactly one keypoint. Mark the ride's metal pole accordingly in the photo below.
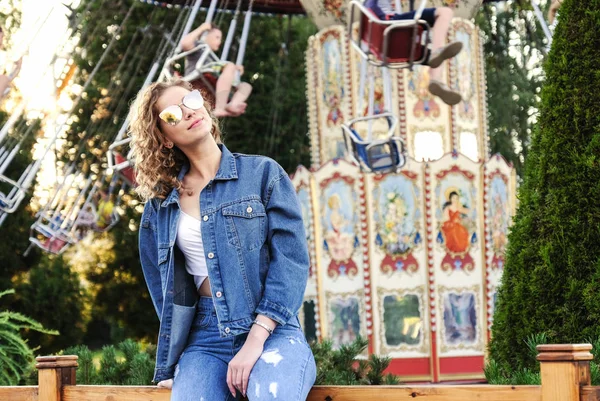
(387, 89)
(371, 74)
(211, 10)
(229, 39)
(189, 23)
(244, 39)
(11, 121)
(542, 21)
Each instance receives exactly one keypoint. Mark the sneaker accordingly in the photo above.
(446, 52)
(448, 96)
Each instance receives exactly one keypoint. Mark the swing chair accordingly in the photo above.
(107, 215)
(393, 44)
(56, 228)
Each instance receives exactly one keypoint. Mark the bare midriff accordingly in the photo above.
(204, 290)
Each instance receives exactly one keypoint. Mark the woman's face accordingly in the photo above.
(194, 125)
(454, 199)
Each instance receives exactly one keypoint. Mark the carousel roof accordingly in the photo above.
(261, 6)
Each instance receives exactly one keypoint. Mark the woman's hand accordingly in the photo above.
(165, 384)
(242, 363)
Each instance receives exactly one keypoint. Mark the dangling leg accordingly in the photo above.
(238, 101)
(443, 17)
(223, 89)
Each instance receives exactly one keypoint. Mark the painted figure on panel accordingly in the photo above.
(402, 320)
(457, 218)
(460, 318)
(456, 235)
(465, 79)
(333, 79)
(397, 218)
(339, 223)
(418, 84)
(499, 217)
(345, 320)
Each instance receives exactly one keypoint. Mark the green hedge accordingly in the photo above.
(551, 282)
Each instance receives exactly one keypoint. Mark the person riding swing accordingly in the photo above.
(439, 19)
(226, 73)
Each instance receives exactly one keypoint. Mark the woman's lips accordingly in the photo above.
(196, 123)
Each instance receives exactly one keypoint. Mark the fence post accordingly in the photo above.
(53, 373)
(564, 369)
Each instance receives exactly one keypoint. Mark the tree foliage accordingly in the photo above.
(551, 280)
(514, 50)
(15, 353)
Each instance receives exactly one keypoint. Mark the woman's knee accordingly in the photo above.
(286, 370)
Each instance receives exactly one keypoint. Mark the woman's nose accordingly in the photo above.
(188, 113)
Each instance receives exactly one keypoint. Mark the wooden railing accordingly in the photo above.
(565, 374)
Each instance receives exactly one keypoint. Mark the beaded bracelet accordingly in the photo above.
(264, 326)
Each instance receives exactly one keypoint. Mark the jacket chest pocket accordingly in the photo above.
(245, 223)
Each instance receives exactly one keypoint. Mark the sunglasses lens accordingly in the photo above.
(193, 100)
(171, 115)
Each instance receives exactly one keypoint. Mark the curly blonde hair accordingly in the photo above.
(156, 166)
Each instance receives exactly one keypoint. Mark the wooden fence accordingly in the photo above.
(565, 374)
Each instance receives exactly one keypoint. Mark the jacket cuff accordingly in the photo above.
(274, 311)
(161, 374)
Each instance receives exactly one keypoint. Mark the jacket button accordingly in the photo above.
(227, 330)
(219, 294)
(211, 255)
(205, 218)
(249, 210)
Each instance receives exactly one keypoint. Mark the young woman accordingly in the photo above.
(224, 255)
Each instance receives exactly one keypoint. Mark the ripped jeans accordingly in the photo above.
(285, 371)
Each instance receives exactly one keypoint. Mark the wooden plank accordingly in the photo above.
(49, 384)
(20, 393)
(560, 381)
(426, 393)
(115, 393)
(328, 393)
(590, 393)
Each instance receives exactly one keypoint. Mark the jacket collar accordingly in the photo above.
(227, 171)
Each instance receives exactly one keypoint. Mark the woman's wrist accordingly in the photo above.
(262, 328)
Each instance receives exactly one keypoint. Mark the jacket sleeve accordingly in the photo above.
(289, 262)
(149, 256)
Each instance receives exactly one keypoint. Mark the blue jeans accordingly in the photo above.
(285, 371)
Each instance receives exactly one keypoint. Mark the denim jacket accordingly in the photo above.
(255, 250)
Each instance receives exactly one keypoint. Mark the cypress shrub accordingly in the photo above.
(551, 282)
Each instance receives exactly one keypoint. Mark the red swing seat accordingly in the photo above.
(389, 43)
(127, 172)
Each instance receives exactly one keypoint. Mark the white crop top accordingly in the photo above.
(189, 240)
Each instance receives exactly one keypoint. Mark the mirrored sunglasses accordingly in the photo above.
(172, 115)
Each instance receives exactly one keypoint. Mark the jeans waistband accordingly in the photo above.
(205, 304)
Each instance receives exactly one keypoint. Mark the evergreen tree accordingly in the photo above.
(551, 280)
